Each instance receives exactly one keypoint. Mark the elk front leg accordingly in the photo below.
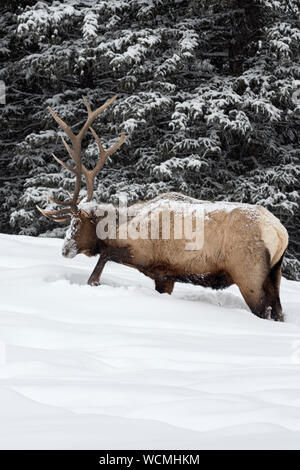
(164, 287)
(94, 279)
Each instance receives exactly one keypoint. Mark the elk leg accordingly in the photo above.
(164, 287)
(271, 287)
(255, 298)
(262, 298)
(273, 300)
(250, 277)
(94, 279)
(262, 293)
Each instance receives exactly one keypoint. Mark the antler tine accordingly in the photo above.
(71, 154)
(75, 155)
(61, 123)
(55, 214)
(65, 165)
(104, 154)
(116, 146)
(93, 114)
(98, 141)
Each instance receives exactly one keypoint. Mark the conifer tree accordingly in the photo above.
(207, 98)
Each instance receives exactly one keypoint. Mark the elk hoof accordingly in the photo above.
(94, 283)
(279, 317)
(268, 313)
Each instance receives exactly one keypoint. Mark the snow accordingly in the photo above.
(169, 202)
(121, 366)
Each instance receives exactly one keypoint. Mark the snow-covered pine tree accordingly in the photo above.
(206, 99)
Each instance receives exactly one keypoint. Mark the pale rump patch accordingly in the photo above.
(274, 235)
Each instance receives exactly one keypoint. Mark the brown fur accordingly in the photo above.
(243, 244)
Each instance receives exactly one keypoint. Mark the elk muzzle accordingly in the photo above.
(69, 249)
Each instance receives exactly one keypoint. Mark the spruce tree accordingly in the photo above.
(207, 98)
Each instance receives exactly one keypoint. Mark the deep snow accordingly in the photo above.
(121, 366)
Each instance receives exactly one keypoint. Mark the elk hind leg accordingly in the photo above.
(250, 277)
(255, 298)
(271, 287)
(259, 286)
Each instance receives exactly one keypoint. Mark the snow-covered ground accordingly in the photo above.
(121, 366)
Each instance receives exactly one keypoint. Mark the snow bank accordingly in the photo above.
(121, 366)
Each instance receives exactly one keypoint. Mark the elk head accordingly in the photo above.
(81, 236)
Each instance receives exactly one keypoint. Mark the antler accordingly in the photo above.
(103, 156)
(76, 155)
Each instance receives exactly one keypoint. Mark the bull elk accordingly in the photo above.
(243, 244)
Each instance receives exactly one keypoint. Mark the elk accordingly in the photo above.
(242, 244)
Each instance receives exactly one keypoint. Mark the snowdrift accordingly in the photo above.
(121, 366)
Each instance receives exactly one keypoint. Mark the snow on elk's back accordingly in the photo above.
(122, 366)
(177, 206)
